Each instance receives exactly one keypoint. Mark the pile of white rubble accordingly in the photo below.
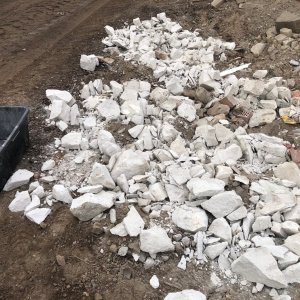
(208, 195)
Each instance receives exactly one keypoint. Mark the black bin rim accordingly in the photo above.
(17, 126)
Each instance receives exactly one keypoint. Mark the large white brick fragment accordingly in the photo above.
(72, 140)
(38, 215)
(89, 62)
(64, 96)
(155, 240)
(88, 206)
(133, 222)
(20, 202)
(258, 265)
(191, 219)
(61, 193)
(205, 187)
(130, 164)
(19, 178)
(223, 204)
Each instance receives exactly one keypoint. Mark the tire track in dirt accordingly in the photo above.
(44, 37)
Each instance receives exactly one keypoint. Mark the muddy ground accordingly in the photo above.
(40, 45)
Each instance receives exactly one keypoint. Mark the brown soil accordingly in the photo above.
(40, 45)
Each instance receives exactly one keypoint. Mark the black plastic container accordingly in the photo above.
(14, 139)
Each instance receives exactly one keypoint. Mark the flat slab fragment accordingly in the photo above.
(258, 265)
(223, 204)
(191, 219)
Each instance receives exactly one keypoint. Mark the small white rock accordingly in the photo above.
(154, 282)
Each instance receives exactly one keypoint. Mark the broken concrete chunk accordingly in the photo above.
(155, 240)
(64, 96)
(174, 86)
(290, 227)
(88, 206)
(168, 133)
(262, 223)
(186, 294)
(158, 191)
(231, 154)
(130, 164)
(292, 273)
(176, 194)
(293, 243)
(136, 130)
(123, 183)
(90, 122)
(289, 259)
(159, 95)
(116, 88)
(109, 30)
(61, 193)
(38, 215)
(223, 204)
(35, 203)
(109, 109)
(280, 202)
(178, 148)
(20, 202)
(288, 171)
(262, 241)
(133, 222)
(18, 179)
(60, 110)
(238, 214)
(215, 250)
(205, 187)
(223, 134)
(119, 230)
(187, 111)
(61, 125)
(260, 74)
(182, 263)
(258, 265)
(258, 49)
(220, 228)
(208, 133)
(178, 174)
(223, 173)
(100, 175)
(191, 219)
(254, 87)
(89, 62)
(94, 189)
(71, 140)
(294, 213)
(48, 165)
(261, 117)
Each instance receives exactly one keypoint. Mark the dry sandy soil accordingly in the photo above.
(40, 45)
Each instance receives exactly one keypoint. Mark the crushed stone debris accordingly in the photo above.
(190, 194)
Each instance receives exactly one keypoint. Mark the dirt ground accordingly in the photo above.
(40, 45)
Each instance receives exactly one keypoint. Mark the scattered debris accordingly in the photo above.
(184, 194)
